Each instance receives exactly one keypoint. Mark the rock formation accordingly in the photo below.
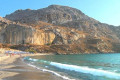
(20, 34)
(64, 29)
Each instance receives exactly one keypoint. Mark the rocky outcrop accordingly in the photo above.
(19, 34)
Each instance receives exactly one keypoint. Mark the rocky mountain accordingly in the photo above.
(59, 29)
(54, 14)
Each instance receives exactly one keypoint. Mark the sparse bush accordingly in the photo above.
(31, 50)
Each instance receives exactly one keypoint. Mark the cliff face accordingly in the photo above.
(20, 34)
(64, 29)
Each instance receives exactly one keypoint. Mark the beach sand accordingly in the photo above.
(13, 68)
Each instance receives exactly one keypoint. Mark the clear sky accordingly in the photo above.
(105, 11)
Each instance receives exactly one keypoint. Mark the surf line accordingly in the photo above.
(87, 70)
(46, 70)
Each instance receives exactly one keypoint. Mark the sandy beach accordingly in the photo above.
(13, 68)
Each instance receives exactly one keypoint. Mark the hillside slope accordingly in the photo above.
(71, 30)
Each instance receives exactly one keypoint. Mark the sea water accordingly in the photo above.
(80, 66)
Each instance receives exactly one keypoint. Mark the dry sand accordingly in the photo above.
(13, 68)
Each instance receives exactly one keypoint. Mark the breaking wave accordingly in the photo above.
(81, 69)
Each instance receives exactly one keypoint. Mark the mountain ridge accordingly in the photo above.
(67, 13)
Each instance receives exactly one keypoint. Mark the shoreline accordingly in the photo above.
(13, 68)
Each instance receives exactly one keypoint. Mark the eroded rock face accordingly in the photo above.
(67, 35)
(43, 38)
(18, 34)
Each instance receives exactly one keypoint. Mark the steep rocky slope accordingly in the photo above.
(16, 33)
(54, 14)
(64, 16)
(60, 29)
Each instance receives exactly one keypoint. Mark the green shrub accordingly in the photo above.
(31, 50)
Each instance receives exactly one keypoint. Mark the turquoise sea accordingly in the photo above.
(80, 66)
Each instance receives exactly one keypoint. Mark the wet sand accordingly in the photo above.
(13, 68)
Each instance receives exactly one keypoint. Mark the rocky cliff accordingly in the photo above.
(62, 29)
(15, 33)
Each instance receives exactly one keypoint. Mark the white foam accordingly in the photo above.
(96, 72)
(82, 69)
(33, 59)
(53, 72)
